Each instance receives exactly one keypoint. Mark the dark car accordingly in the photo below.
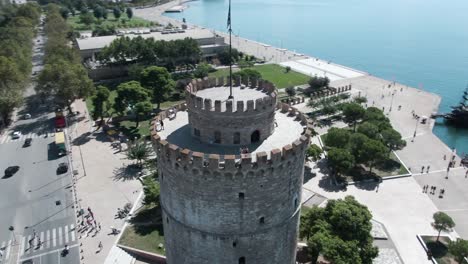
(27, 142)
(11, 170)
(62, 168)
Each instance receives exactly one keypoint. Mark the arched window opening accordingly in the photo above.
(255, 137)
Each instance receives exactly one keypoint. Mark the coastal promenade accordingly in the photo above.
(399, 203)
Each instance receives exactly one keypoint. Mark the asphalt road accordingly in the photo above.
(36, 201)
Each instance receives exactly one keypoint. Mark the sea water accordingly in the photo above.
(420, 43)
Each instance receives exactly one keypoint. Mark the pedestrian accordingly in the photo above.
(429, 166)
(34, 233)
(162, 124)
(422, 169)
(466, 174)
(95, 224)
(100, 246)
(31, 242)
(445, 157)
(89, 209)
(99, 226)
(91, 214)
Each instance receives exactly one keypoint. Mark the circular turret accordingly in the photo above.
(245, 119)
(221, 205)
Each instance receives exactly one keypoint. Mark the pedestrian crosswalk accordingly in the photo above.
(7, 138)
(40, 242)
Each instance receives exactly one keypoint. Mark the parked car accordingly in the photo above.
(27, 142)
(16, 135)
(11, 170)
(62, 168)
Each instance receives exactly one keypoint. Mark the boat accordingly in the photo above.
(459, 115)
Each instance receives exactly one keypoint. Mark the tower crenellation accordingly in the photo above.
(231, 173)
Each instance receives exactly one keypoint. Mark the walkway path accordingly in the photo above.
(103, 185)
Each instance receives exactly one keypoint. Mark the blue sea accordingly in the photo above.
(420, 43)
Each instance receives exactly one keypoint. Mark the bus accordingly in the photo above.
(60, 143)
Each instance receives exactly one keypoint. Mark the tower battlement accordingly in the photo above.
(231, 173)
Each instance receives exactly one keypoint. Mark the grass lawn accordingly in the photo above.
(145, 233)
(273, 73)
(122, 22)
(440, 249)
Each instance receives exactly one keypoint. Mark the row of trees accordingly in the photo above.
(340, 232)
(137, 97)
(150, 52)
(99, 12)
(369, 143)
(63, 77)
(16, 33)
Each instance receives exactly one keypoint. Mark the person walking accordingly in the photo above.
(162, 124)
(429, 166)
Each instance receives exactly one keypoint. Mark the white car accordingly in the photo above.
(16, 135)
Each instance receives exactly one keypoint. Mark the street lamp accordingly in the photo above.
(12, 229)
(415, 129)
(391, 103)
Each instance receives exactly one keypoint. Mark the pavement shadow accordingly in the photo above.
(36, 105)
(82, 139)
(42, 124)
(368, 185)
(126, 173)
(147, 221)
(326, 183)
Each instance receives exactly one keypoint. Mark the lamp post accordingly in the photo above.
(391, 103)
(12, 229)
(415, 129)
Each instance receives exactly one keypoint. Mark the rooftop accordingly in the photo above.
(177, 132)
(101, 42)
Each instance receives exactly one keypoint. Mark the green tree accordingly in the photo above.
(117, 13)
(202, 70)
(369, 129)
(86, 18)
(9, 100)
(223, 56)
(105, 14)
(287, 69)
(459, 249)
(442, 222)
(101, 102)
(247, 74)
(129, 12)
(340, 160)
(360, 99)
(373, 152)
(290, 91)
(98, 12)
(159, 81)
(65, 12)
(317, 83)
(337, 137)
(340, 232)
(151, 190)
(139, 151)
(353, 112)
(314, 152)
(141, 109)
(356, 141)
(242, 63)
(128, 95)
(392, 139)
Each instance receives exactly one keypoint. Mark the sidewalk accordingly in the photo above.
(102, 185)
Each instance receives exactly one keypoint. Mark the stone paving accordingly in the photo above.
(103, 184)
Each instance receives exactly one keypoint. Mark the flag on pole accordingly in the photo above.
(229, 16)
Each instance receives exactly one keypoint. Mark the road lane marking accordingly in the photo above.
(66, 234)
(48, 238)
(47, 253)
(54, 238)
(60, 237)
(7, 253)
(72, 228)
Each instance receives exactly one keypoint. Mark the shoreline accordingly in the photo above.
(408, 211)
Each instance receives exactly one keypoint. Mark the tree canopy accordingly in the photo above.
(128, 95)
(459, 249)
(17, 24)
(314, 152)
(340, 232)
(101, 102)
(169, 54)
(317, 83)
(151, 190)
(353, 112)
(442, 222)
(340, 160)
(158, 80)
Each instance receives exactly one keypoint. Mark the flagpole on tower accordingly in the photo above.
(230, 51)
